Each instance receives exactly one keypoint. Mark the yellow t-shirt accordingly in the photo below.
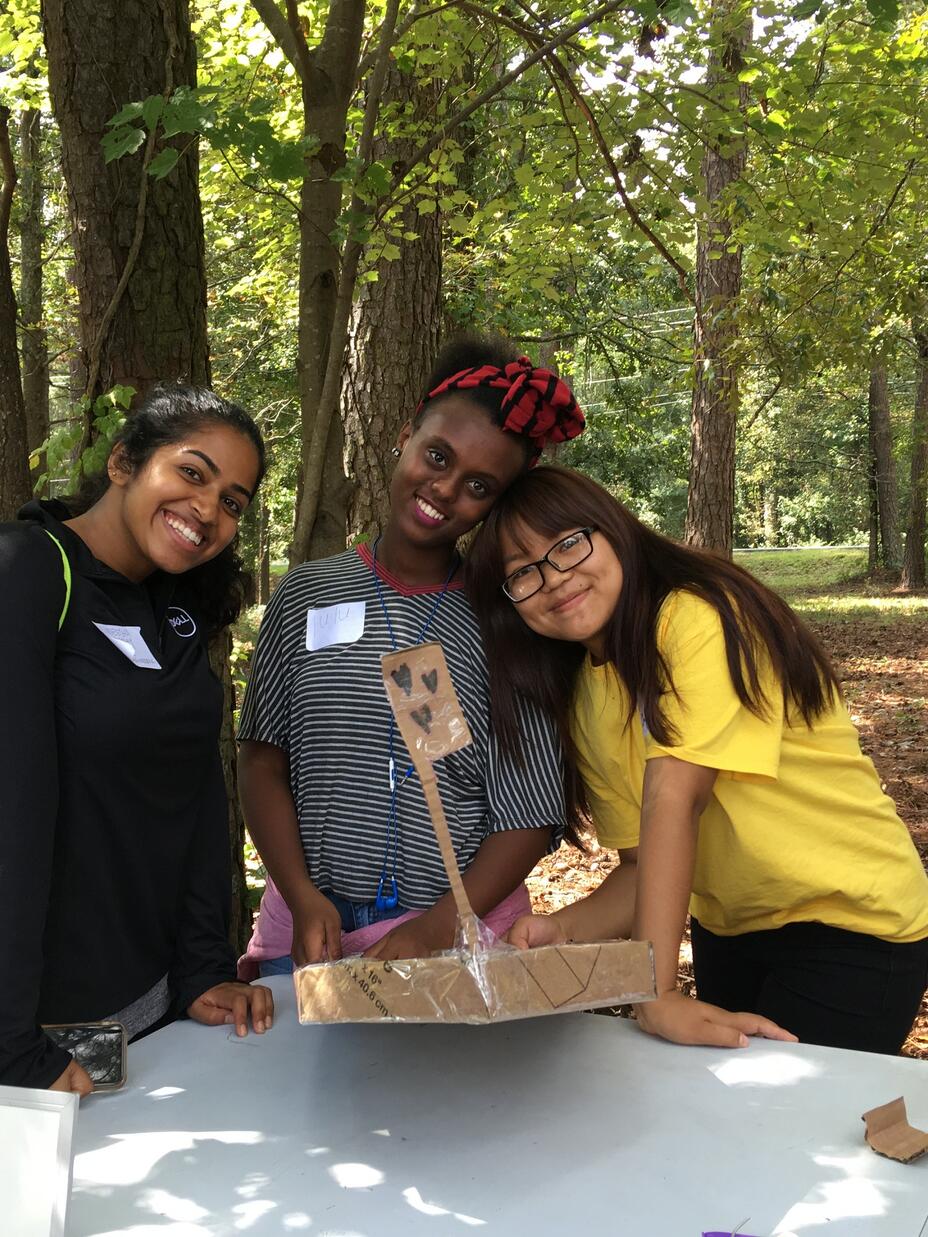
(797, 829)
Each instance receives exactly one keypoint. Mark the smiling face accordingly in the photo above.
(576, 604)
(183, 506)
(451, 470)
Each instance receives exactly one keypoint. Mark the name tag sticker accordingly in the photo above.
(343, 624)
(129, 641)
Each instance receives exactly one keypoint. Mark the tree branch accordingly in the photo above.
(304, 60)
(558, 68)
(763, 404)
(418, 10)
(506, 80)
(338, 338)
(279, 29)
(9, 174)
(871, 232)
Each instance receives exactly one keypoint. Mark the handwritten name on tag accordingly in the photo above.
(129, 641)
(327, 625)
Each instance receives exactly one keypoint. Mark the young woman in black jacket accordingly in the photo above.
(114, 860)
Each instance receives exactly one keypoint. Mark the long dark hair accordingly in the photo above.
(164, 416)
(552, 501)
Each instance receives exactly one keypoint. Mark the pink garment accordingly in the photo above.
(273, 934)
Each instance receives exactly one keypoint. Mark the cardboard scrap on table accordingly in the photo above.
(889, 1132)
(480, 980)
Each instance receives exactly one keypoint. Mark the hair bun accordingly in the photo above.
(540, 405)
(537, 404)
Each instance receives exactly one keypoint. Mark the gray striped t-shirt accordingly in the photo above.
(328, 709)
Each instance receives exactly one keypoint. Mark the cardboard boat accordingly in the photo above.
(482, 979)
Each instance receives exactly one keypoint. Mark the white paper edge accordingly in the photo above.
(65, 1103)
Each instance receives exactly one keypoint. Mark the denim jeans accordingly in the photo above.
(354, 915)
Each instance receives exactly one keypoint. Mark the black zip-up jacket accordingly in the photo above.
(114, 857)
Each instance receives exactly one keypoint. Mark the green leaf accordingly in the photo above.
(185, 112)
(163, 163)
(119, 142)
(131, 111)
(152, 109)
(525, 174)
(885, 12)
(377, 179)
(122, 395)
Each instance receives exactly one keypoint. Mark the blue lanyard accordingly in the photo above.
(387, 893)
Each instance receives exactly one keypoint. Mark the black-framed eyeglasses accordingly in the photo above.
(565, 554)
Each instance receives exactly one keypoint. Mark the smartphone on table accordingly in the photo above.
(98, 1047)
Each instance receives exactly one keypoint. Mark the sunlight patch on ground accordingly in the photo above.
(886, 607)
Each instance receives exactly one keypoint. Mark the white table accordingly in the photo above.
(565, 1125)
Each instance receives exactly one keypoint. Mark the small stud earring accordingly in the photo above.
(396, 452)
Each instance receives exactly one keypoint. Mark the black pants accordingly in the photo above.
(825, 985)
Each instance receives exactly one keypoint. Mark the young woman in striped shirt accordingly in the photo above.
(328, 793)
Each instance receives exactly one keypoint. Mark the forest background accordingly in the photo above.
(708, 214)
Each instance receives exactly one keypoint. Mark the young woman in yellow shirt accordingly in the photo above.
(710, 746)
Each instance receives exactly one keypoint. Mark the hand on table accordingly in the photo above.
(75, 1078)
(683, 1020)
(531, 931)
(416, 938)
(229, 1004)
(317, 930)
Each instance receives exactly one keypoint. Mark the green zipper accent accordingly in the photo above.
(67, 579)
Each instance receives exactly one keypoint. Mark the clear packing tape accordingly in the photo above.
(481, 979)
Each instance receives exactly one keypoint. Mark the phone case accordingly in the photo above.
(99, 1047)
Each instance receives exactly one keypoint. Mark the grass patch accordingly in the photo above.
(827, 585)
(791, 571)
(885, 609)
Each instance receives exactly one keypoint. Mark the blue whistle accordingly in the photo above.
(387, 901)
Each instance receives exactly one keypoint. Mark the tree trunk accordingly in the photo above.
(31, 232)
(240, 920)
(873, 520)
(103, 54)
(394, 339)
(881, 448)
(14, 469)
(263, 574)
(913, 566)
(139, 250)
(328, 78)
(771, 515)
(711, 498)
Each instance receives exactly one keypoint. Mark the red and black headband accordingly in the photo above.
(537, 404)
